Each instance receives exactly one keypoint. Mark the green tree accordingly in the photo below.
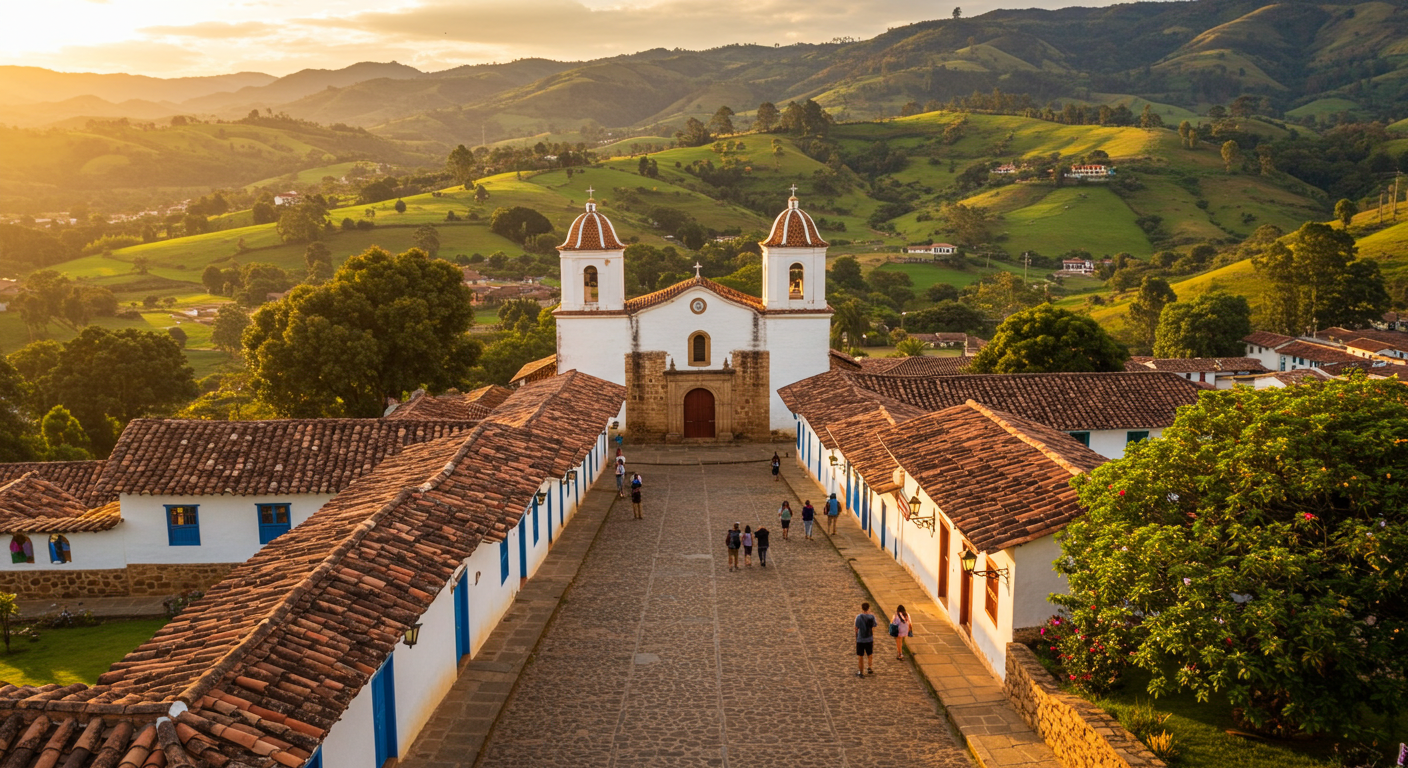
(767, 117)
(1000, 294)
(1254, 551)
(481, 193)
(264, 212)
(947, 316)
(107, 378)
(518, 223)
(968, 223)
(845, 273)
(1231, 153)
(695, 134)
(16, 396)
(9, 612)
(1045, 339)
(1316, 282)
(257, 280)
(722, 121)
(63, 437)
(1154, 294)
(910, 348)
(849, 324)
(178, 335)
(1149, 118)
(1184, 129)
(382, 327)
(461, 165)
(1212, 325)
(300, 224)
(400, 205)
(317, 263)
(427, 238)
(1345, 211)
(228, 329)
(533, 337)
(213, 278)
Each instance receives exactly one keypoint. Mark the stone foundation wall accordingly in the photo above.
(169, 579)
(646, 400)
(1081, 734)
(65, 584)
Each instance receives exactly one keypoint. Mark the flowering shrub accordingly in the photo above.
(1092, 662)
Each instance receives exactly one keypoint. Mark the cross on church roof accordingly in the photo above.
(697, 267)
(590, 192)
(794, 190)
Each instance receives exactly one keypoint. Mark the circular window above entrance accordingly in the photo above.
(697, 306)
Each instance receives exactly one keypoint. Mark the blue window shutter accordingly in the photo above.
(462, 615)
(1081, 437)
(183, 525)
(535, 517)
(384, 711)
(274, 520)
(503, 560)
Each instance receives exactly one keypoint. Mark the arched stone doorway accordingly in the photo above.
(699, 413)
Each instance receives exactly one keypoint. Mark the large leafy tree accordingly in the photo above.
(531, 334)
(946, 317)
(1154, 295)
(107, 378)
(383, 326)
(1316, 281)
(1255, 551)
(1045, 339)
(1000, 294)
(519, 223)
(1212, 325)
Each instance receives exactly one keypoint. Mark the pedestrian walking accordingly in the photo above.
(748, 546)
(636, 482)
(785, 515)
(733, 540)
(808, 518)
(760, 536)
(635, 500)
(776, 467)
(833, 511)
(899, 629)
(620, 475)
(865, 641)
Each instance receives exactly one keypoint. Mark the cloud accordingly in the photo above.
(213, 30)
(162, 59)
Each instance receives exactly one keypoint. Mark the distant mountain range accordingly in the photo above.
(1305, 59)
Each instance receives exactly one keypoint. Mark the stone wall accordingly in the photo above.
(752, 395)
(1081, 734)
(169, 579)
(646, 398)
(64, 584)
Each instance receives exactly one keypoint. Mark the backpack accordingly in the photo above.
(732, 540)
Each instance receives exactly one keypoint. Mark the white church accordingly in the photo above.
(699, 360)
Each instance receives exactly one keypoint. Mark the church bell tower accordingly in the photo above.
(593, 264)
(794, 261)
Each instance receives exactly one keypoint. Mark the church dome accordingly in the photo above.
(793, 228)
(591, 232)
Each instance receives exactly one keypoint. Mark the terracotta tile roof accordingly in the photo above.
(591, 231)
(1200, 364)
(76, 477)
(180, 457)
(541, 368)
(1397, 339)
(1063, 401)
(856, 439)
(793, 228)
(1267, 339)
(273, 655)
(103, 518)
(1316, 353)
(32, 504)
(918, 365)
(466, 406)
(842, 361)
(1374, 368)
(665, 294)
(1001, 479)
(1300, 376)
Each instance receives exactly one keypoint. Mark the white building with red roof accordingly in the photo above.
(700, 360)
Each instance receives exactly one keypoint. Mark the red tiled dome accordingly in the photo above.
(591, 232)
(793, 228)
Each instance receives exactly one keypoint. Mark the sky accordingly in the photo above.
(179, 38)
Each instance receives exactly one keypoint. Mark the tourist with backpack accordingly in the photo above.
(748, 546)
(760, 536)
(784, 513)
(776, 468)
(865, 641)
(899, 629)
(733, 540)
(833, 511)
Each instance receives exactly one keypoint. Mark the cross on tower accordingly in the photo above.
(697, 267)
(794, 190)
(590, 192)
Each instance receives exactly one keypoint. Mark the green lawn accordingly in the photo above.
(77, 655)
(925, 275)
(1088, 217)
(1200, 732)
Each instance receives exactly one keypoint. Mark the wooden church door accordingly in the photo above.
(699, 413)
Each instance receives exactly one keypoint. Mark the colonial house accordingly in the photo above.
(288, 198)
(1220, 372)
(1005, 169)
(1392, 321)
(1308, 354)
(1262, 345)
(936, 249)
(473, 276)
(1090, 172)
(334, 643)
(1371, 343)
(967, 483)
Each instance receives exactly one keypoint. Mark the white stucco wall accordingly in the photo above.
(229, 526)
(351, 741)
(1265, 355)
(425, 673)
(1111, 443)
(990, 638)
(91, 551)
(1031, 605)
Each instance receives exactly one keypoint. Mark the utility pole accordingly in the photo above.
(1026, 262)
(1381, 207)
(1396, 177)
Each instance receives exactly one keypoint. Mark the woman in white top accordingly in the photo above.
(620, 475)
(899, 627)
(748, 546)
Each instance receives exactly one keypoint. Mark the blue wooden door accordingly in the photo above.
(462, 616)
(384, 712)
(883, 515)
(865, 510)
(522, 549)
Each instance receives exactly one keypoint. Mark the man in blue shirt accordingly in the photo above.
(865, 641)
(833, 511)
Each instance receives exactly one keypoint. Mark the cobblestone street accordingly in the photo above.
(662, 657)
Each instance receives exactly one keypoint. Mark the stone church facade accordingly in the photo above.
(700, 361)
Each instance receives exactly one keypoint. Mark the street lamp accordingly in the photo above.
(834, 460)
(915, 505)
(571, 476)
(969, 560)
(412, 635)
(542, 497)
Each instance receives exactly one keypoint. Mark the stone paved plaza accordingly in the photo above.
(662, 657)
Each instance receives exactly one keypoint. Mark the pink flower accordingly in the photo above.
(1121, 493)
(1309, 516)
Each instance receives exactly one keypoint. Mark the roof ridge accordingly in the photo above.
(1016, 432)
(272, 620)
